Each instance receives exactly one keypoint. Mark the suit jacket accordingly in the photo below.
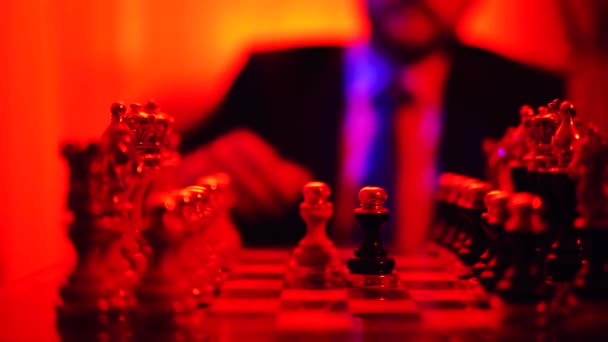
(295, 100)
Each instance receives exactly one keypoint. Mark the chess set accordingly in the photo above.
(520, 256)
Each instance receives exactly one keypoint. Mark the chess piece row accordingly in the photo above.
(142, 246)
(544, 231)
(487, 237)
(557, 156)
(499, 236)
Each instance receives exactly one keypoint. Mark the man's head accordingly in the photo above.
(409, 29)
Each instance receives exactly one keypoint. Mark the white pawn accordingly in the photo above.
(315, 262)
(223, 238)
(165, 302)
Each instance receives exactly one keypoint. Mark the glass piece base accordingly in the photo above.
(373, 281)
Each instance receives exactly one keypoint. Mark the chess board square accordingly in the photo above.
(296, 335)
(245, 306)
(432, 284)
(444, 299)
(419, 262)
(409, 268)
(251, 293)
(258, 284)
(256, 276)
(450, 294)
(441, 304)
(263, 256)
(378, 306)
(321, 294)
(329, 305)
(388, 318)
(426, 275)
(311, 321)
(378, 293)
(238, 318)
(259, 269)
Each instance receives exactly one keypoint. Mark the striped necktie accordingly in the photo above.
(382, 168)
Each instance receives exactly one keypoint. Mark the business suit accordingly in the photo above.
(295, 100)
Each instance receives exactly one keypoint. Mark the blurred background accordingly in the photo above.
(65, 61)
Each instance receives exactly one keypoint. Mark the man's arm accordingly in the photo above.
(230, 141)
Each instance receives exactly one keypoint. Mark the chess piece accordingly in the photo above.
(442, 207)
(98, 292)
(566, 135)
(495, 260)
(149, 128)
(223, 239)
(584, 314)
(166, 305)
(130, 245)
(456, 191)
(541, 158)
(315, 262)
(465, 218)
(563, 260)
(588, 167)
(196, 259)
(371, 265)
(524, 280)
(169, 157)
(543, 161)
(477, 241)
(521, 144)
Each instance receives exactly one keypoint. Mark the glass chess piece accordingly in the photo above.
(371, 266)
(166, 305)
(315, 262)
(223, 239)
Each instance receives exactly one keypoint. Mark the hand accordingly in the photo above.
(264, 182)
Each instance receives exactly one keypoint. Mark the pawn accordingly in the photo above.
(524, 280)
(371, 265)
(442, 205)
(196, 260)
(588, 167)
(165, 305)
(495, 259)
(315, 262)
(477, 240)
(453, 231)
(223, 239)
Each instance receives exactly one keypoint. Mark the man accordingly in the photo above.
(393, 112)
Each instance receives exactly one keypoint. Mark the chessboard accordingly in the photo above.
(431, 303)
(255, 304)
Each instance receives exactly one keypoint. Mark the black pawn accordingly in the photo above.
(493, 224)
(564, 259)
(456, 234)
(371, 257)
(519, 178)
(591, 281)
(524, 280)
(477, 241)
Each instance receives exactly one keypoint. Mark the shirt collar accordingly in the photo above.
(368, 72)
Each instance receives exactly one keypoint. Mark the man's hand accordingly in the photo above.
(264, 182)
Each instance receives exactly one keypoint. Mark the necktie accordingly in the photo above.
(382, 167)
